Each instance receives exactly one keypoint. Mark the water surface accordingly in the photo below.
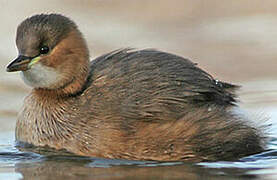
(39, 163)
(235, 41)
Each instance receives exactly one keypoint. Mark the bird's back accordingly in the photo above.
(152, 85)
(159, 106)
(138, 105)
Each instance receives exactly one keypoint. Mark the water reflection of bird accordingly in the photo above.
(140, 105)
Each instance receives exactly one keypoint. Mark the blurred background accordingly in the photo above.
(235, 41)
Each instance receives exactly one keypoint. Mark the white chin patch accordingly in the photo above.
(40, 76)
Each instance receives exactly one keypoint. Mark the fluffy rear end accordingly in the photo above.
(202, 135)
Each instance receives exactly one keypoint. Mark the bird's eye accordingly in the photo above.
(44, 50)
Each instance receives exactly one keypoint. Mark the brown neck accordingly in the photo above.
(71, 88)
(73, 66)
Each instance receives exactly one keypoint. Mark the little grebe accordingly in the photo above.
(127, 104)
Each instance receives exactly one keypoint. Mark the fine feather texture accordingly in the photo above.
(144, 105)
(127, 104)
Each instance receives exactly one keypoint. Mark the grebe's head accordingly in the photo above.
(52, 53)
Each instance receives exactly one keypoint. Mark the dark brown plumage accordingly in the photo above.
(140, 105)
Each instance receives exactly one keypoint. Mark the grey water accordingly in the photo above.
(39, 163)
(235, 41)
